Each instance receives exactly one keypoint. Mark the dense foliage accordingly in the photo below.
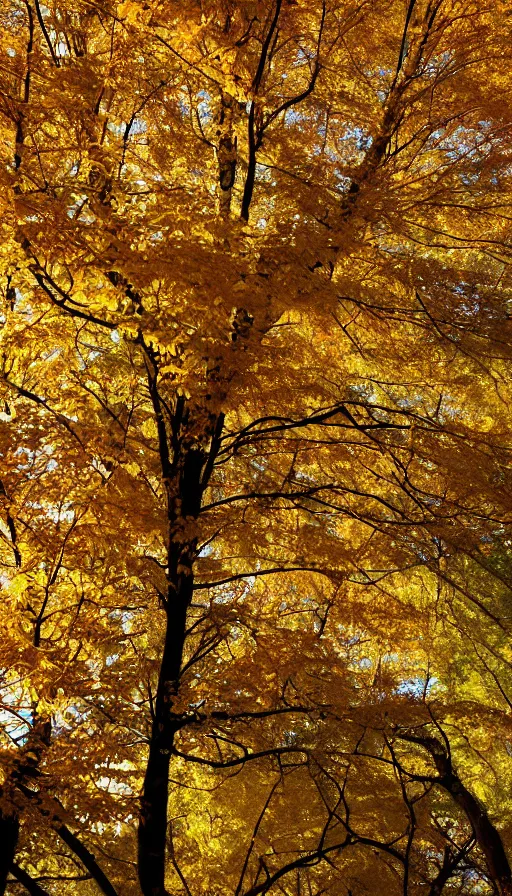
(255, 473)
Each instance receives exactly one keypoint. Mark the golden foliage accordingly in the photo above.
(255, 464)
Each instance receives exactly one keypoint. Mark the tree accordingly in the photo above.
(255, 465)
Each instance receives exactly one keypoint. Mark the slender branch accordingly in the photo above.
(32, 396)
(203, 586)
(27, 881)
(175, 864)
(61, 303)
(71, 840)
(293, 101)
(403, 45)
(255, 834)
(214, 451)
(254, 127)
(310, 858)
(240, 760)
(450, 862)
(42, 25)
(163, 441)
(264, 50)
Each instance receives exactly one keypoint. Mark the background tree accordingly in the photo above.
(255, 461)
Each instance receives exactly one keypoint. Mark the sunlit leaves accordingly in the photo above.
(255, 357)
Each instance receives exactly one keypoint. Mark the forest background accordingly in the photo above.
(255, 447)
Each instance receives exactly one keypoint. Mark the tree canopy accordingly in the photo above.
(255, 455)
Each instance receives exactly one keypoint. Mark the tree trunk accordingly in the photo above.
(486, 835)
(9, 831)
(152, 832)
(25, 767)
